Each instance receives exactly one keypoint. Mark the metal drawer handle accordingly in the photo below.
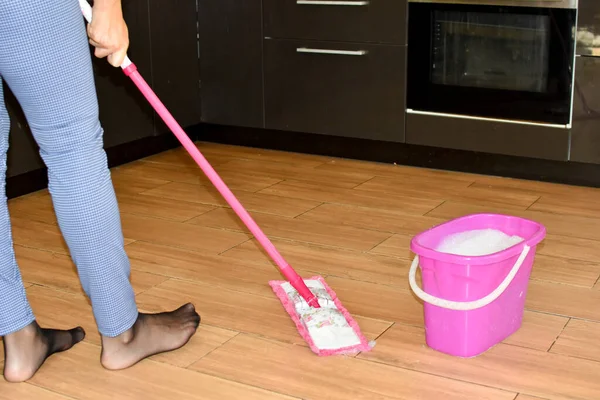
(325, 51)
(331, 3)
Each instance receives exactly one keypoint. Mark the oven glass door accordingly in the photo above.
(498, 62)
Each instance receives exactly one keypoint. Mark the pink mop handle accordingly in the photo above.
(295, 280)
(131, 71)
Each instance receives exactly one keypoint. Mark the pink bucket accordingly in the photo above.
(473, 303)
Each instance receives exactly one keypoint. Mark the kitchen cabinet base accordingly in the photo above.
(406, 154)
(512, 139)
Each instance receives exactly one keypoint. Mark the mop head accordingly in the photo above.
(328, 330)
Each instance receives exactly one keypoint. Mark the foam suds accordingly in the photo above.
(477, 242)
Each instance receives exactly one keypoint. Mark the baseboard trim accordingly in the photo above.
(35, 180)
(570, 173)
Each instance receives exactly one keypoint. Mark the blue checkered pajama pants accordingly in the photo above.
(45, 60)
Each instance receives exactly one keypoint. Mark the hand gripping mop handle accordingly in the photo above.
(131, 71)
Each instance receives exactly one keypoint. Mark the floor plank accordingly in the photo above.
(395, 170)
(192, 174)
(569, 205)
(561, 270)
(282, 172)
(207, 339)
(360, 198)
(565, 300)
(459, 192)
(158, 207)
(131, 184)
(188, 236)
(253, 202)
(179, 157)
(250, 153)
(259, 361)
(47, 237)
(538, 188)
(396, 246)
(511, 368)
(241, 275)
(388, 303)
(368, 218)
(58, 271)
(297, 230)
(27, 391)
(74, 374)
(579, 339)
(571, 248)
(538, 331)
(526, 397)
(341, 263)
(38, 208)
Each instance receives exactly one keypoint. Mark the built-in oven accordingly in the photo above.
(498, 59)
(508, 61)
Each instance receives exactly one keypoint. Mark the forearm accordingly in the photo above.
(107, 5)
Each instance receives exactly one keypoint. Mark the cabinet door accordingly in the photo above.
(230, 34)
(23, 152)
(377, 21)
(125, 114)
(585, 132)
(340, 89)
(174, 39)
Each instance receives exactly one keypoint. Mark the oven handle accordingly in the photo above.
(569, 4)
(331, 3)
(475, 118)
(329, 51)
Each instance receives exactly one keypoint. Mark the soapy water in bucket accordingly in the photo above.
(477, 242)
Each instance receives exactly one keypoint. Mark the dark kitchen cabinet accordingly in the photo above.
(488, 136)
(375, 21)
(585, 131)
(588, 27)
(164, 46)
(124, 112)
(23, 152)
(231, 60)
(176, 77)
(334, 88)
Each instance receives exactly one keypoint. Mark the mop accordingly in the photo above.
(319, 316)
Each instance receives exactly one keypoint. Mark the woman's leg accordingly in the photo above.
(26, 345)
(45, 59)
(15, 312)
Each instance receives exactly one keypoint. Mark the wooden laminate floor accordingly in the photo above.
(346, 220)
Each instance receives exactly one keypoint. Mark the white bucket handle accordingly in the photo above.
(469, 305)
